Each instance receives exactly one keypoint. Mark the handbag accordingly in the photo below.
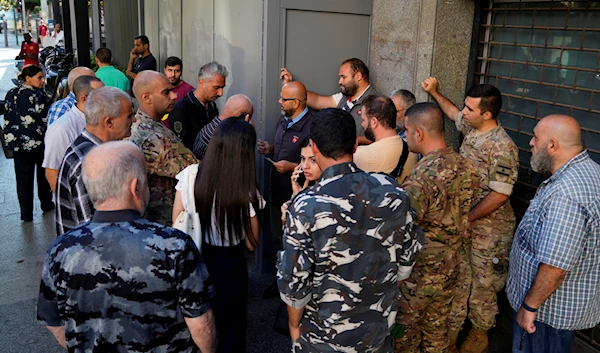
(188, 221)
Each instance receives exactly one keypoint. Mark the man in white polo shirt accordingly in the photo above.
(389, 153)
(66, 129)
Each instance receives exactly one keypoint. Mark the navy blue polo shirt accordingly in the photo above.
(287, 147)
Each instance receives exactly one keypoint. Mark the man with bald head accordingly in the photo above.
(60, 107)
(237, 106)
(442, 189)
(292, 128)
(60, 135)
(555, 258)
(94, 295)
(164, 152)
(108, 115)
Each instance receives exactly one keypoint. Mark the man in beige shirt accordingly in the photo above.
(378, 119)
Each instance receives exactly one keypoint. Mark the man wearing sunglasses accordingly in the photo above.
(292, 128)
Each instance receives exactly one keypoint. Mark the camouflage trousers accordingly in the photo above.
(426, 298)
(482, 274)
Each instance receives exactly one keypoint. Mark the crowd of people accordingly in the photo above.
(382, 238)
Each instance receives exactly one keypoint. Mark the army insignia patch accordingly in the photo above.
(177, 127)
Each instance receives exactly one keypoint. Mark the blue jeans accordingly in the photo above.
(545, 339)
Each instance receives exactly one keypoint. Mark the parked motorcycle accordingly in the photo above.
(56, 64)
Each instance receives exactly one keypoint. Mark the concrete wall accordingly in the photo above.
(228, 31)
(121, 28)
(412, 40)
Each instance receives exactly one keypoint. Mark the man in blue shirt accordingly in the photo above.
(292, 128)
(60, 107)
(555, 258)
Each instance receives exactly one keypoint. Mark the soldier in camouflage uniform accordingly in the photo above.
(442, 189)
(484, 263)
(347, 241)
(120, 283)
(164, 152)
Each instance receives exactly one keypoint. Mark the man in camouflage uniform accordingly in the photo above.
(120, 283)
(164, 152)
(484, 264)
(347, 241)
(442, 189)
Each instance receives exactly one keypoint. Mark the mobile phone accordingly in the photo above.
(301, 179)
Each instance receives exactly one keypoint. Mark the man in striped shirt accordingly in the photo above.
(555, 258)
(234, 107)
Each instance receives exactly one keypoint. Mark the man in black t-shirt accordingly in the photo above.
(194, 111)
(145, 59)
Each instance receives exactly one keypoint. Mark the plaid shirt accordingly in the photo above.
(60, 107)
(73, 203)
(561, 228)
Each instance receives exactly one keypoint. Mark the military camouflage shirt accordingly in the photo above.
(496, 158)
(442, 189)
(122, 284)
(166, 157)
(347, 241)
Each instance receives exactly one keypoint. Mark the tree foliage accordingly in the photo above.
(29, 4)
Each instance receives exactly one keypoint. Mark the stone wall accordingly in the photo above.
(412, 40)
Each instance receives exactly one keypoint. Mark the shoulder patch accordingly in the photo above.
(178, 127)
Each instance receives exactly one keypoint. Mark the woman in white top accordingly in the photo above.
(227, 201)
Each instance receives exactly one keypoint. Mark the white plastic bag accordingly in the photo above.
(188, 221)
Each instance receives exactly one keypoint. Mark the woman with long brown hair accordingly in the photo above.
(228, 203)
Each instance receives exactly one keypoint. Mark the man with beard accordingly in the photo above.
(389, 153)
(140, 59)
(173, 71)
(165, 154)
(198, 107)
(555, 263)
(354, 89)
(293, 127)
(485, 253)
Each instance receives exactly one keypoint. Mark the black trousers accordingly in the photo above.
(26, 164)
(228, 271)
(275, 231)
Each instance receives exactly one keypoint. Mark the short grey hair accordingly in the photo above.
(103, 102)
(208, 71)
(108, 169)
(408, 99)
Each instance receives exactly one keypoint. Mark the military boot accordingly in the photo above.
(476, 342)
(452, 336)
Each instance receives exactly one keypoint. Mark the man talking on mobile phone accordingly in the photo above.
(140, 59)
